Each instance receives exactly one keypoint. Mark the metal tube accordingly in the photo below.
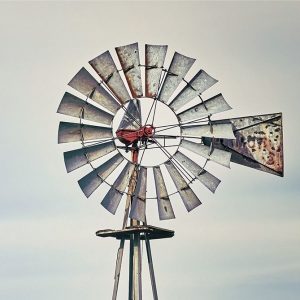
(151, 269)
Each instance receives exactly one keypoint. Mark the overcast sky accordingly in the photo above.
(242, 243)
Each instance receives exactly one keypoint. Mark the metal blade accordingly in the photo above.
(132, 116)
(130, 62)
(189, 198)
(112, 199)
(179, 67)
(71, 105)
(215, 130)
(211, 106)
(219, 156)
(199, 83)
(165, 209)
(207, 179)
(107, 70)
(86, 84)
(138, 207)
(77, 158)
(73, 132)
(93, 180)
(154, 59)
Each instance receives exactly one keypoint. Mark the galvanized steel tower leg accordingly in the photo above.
(118, 269)
(151, 269)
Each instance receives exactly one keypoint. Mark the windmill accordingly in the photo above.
(115, 126)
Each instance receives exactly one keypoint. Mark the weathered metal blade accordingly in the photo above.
(189, 198)
(86, 84)
(215, 130)
(258, 143)
(154, 59)
(73, 132)
(179, 67)
(77, 158)
(211, 106)
(93, 180)
(132, 116)
(221, 157)
(71, 105)
(130, 62)
(112, 199)
(206, 178)
(107, 70)
(199, 83)
(138, 207)
(165, 209)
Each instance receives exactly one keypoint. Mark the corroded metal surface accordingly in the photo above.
(215, 130)
(74, 132)
(93, 180)
(77, 158)
(107, 70)
(209, 107)
(189, 198)
(130, 62)
(138, 207)
(112, 199)
(75, 107)
(179, 67)
(199, 83)
(86, 84)
(206, 178)
(221, 157)
(165, 210)
(154, 60)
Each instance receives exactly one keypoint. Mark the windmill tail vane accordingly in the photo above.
(123, 124)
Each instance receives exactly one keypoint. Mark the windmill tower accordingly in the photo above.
(118, 97)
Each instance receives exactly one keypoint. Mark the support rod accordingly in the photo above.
(151, 268)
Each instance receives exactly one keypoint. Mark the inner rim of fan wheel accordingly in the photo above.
(156, 135)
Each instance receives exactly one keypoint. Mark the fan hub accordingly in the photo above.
(128, 137)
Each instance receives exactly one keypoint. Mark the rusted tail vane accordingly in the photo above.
(93, 180)
(258, 143)
(189, 198)
(154, 61)
(165, 209)
(130, 61)
(112, 199)
(107, 70)
(74, 132)
(199, 83)
(178, 68)
(73, 106)
(77, 158)
(87, 85)
(138, 207)
(216, 104)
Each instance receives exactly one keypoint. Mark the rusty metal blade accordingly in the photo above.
(112, 199)
(179, 67)
(132, 117)
(211, 106)
(71, 105)
(206, 178)
(93, 180)
(215, 130)
(130, 62)
(189, 198)
(86, 84)
(138, 207)
(199, 83)
(77, 158)
(73, 132)
(154, 60)
(107, 70)
(258, 143)
(165, 209)
(221, 157)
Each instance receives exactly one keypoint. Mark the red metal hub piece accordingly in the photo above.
(128, 137)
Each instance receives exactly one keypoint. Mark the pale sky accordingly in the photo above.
(242, 243)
